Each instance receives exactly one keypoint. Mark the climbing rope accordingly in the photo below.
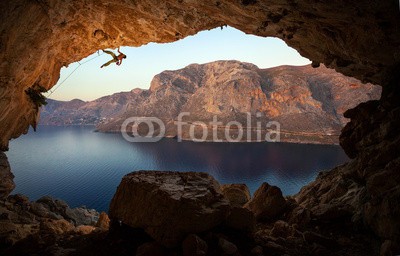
(70, 74)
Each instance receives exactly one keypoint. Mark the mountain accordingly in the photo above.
(307, 102)
(78, 112)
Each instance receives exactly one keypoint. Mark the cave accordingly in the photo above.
(359, 39)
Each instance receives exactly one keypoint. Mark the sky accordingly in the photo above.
(90, 82)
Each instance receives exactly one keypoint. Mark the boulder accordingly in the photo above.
(49, 207)
(84, 229)
(82, 216)
(57, 209)
(241, 219)
(10, 232)
(299, 216)
(6, 177)
(103, 222)
(282, 229)
(194, 246)
(267, 203)
(227, 247)
(169, 205)
(18, 199)
(237, 194)
(57, 227)
(41, 210)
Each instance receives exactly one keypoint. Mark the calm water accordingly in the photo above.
(84, 168)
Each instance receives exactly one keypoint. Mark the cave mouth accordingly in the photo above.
(360, 40)
(310, 91)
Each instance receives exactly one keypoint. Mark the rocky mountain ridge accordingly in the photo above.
(308, 103)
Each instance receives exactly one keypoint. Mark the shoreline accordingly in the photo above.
(322, 141)
(292, 141)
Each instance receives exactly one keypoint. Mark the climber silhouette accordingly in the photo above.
(116, 59)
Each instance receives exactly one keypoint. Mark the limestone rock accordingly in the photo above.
(225, 88)
(366, 189)
(57, 226)
(169, 205)
(267, 203)
(52, 205)
(104, 221)
(49, 207)
(282, 229)
(82, 216)
(18, 199)
(6, 177)
(42, 211)
(308, 103)
(33, 224)
(237, 194)
(84, 229)
(299, 216)
(10, 232)
(194, 246)
(227, 247)
(241, 219)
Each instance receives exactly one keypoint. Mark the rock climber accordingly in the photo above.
(116, 59)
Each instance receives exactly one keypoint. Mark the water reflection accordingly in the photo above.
(84, 168)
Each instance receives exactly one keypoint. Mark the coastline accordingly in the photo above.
(323, 139)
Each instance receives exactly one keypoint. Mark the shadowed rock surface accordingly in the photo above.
(267, 203)
(169, 205)
(6, 177)
(46, 219)
(367, 188)
(41, 228)
(237, 194)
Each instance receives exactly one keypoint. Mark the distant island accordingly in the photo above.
(307, 102)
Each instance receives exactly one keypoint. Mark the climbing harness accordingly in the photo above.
(70, 74)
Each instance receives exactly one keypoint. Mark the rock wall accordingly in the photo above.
(6, 177)
(37, 38)
(29, 225)
(367, 189)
